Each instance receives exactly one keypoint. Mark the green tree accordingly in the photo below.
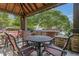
(49, 19)
(16, 22)
(32, 22)
(4, 20)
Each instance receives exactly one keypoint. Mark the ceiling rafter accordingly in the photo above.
(44, 4)
(19, 12)
(6, 6)
(47, 7)
(35, 5)
(26, 7)
(22, 9)
(30, 7)
(8, 11)
(13, 7)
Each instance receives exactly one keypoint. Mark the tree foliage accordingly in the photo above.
(16, 22)
(49, 19)
(45, 20)
(6, 21)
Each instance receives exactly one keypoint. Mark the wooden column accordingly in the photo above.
(23, 28)
(76, 18)
(74, 42)
(22, 19)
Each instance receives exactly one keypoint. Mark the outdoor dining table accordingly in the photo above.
(39, 39)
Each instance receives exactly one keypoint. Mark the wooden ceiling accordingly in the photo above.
(26, 9)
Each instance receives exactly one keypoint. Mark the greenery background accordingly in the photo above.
(45, 20)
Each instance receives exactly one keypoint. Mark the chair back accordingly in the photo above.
(13, 43)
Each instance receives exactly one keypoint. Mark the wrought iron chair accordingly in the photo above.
(23, 51)
(56, 51)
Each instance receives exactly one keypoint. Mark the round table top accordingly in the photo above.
(39, 38)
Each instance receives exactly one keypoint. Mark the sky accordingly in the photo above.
(67, 9)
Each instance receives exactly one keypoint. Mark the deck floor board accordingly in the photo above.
(69, 53)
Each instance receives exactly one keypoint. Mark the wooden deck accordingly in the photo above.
(69, 53)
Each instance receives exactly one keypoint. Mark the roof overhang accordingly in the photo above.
(27, 9)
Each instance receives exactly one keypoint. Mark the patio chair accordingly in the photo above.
(23, 51)
(55, 50)
(3, 44)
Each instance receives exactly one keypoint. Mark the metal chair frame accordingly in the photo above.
(16, 49)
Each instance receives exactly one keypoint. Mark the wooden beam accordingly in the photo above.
(44, 8)
(3, 10)
(76, 18)
(26, 7)
(29, 12)
(44, 4)
(13, 7)
(6, 6)
(30, 6)
(35, 5)
(22, 19)
(23, 10)
(20, 9)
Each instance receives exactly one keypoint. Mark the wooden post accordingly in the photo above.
(74, 43)
(22, 20)
(76, 18)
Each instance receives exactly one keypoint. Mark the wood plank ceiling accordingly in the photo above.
(26, 9)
